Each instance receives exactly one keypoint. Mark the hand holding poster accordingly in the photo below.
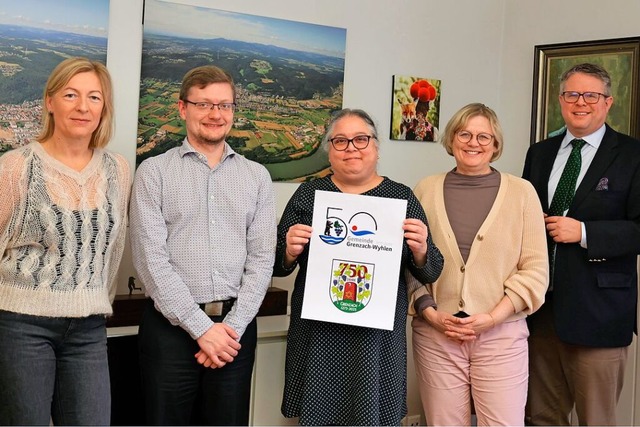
(354, 259)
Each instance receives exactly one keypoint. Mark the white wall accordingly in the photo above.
(481, 50)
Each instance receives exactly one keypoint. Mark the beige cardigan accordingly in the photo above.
(508, 255)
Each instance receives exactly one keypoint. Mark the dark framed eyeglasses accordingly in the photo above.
(589, 97)
(465, 136)
(224, 107)
(360, 142)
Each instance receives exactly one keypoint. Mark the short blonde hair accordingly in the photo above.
(460, 120)
(59, 78)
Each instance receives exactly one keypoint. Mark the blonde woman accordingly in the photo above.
(62, 229)
(470, 333)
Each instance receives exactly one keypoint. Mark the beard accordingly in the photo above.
(211, 141)
(205, 138)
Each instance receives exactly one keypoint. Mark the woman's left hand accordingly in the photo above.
(477, 322)
(416, 232)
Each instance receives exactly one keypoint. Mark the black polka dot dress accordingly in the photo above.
(338, 374)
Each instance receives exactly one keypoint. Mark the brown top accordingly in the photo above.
(468, 200)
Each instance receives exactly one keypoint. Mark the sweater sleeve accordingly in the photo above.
(527, 287)
(430, 272)
(123, 183)
(11, 170)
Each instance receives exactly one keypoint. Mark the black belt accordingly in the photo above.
(218, 308)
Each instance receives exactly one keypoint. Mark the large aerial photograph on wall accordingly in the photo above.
(288, 75)
(35, 36)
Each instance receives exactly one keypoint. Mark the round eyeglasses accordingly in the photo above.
(360, 142)
(589, 97)
(465, 136)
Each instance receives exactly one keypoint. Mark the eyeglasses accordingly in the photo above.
(589, 97)
(360, 142)
(482, 138)
(223, 107)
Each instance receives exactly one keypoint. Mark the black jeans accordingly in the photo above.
(178, 390)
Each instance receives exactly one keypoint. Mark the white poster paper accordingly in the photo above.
(354, 259)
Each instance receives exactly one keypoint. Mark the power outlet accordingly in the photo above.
(411, 420)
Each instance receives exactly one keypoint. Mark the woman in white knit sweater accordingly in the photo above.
(62, 229)
(470, 333)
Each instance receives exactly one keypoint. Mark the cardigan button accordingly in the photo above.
(462, 268)
(480, 237)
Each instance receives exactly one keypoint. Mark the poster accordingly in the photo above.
(35, 36)
(354, 259)
(288, 76)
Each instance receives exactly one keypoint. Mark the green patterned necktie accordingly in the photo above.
(563, 196)
(567, 185)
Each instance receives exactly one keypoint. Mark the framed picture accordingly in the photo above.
(35, 36)
(288, 76)
(620, 57)
(415, 109)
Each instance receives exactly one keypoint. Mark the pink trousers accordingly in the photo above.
(493, 369)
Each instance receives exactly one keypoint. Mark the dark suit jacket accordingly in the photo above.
(595, 289)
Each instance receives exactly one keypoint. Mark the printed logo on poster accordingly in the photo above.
(353, 236)
(351, 285)
(336, 229)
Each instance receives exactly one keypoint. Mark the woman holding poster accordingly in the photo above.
(340, 374)
(470, 333)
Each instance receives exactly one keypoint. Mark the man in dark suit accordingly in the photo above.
(580, 337)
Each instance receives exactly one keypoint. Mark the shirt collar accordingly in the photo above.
(593, 139)
(187, 148)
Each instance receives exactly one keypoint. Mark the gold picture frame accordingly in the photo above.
(620, 57)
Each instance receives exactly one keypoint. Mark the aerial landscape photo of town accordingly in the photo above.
(35, 36)
(288, 76)
(27, 56)
(286, 92)
(283, 102)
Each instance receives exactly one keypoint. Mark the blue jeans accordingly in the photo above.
(178, 390)
(53, 369)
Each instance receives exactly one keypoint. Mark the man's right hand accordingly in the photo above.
(218, 346)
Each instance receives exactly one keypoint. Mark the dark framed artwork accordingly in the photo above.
(620, 57)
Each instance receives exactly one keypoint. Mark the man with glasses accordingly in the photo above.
(588, 181)
(203, 233)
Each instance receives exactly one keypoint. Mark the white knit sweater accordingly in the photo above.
(62, 232)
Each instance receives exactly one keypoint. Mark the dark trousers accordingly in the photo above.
(53, 369)
(178, 390)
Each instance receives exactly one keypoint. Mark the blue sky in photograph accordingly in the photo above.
(181, 20)
(87, 17)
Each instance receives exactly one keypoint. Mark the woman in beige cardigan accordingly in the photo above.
(470, 333)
